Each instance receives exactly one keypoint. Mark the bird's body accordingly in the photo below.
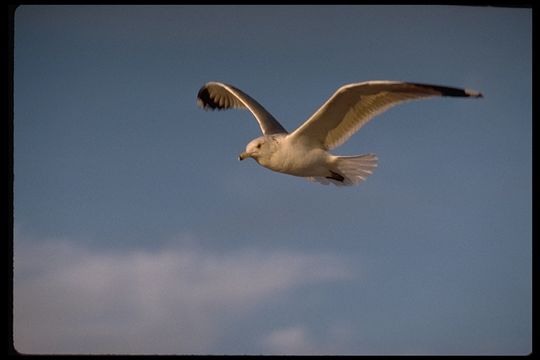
(305, 151)
(283, 155)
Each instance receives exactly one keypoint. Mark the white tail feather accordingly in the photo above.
(349, 170)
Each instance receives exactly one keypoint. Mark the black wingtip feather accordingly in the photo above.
(205, 101)
(452, 91)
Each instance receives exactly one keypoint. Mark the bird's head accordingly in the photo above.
(255, 149)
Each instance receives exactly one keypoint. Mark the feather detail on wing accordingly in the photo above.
(354, 105)
(215, 95)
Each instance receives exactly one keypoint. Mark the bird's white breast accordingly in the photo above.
(297, 159)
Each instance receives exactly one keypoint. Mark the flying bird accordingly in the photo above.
(305, 151)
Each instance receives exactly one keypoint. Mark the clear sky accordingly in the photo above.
(138, 231)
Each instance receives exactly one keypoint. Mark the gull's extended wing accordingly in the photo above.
(354, 105)
(215, 95)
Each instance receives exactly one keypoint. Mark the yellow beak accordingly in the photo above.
(243, 156)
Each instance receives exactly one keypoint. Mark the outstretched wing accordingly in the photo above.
(215, 95)
(354, 105)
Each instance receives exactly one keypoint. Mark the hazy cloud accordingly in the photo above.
(290, 340)
(337, 339)
(70, 299)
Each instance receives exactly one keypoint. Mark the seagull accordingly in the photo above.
(305, 151)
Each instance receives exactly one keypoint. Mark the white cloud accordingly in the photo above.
(69, 299)
(337, 339)
(291, 340)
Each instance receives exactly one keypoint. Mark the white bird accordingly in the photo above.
(304, 152)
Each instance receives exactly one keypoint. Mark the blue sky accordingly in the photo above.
(138, 231)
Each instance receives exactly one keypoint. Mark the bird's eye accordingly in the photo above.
(258, 146)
